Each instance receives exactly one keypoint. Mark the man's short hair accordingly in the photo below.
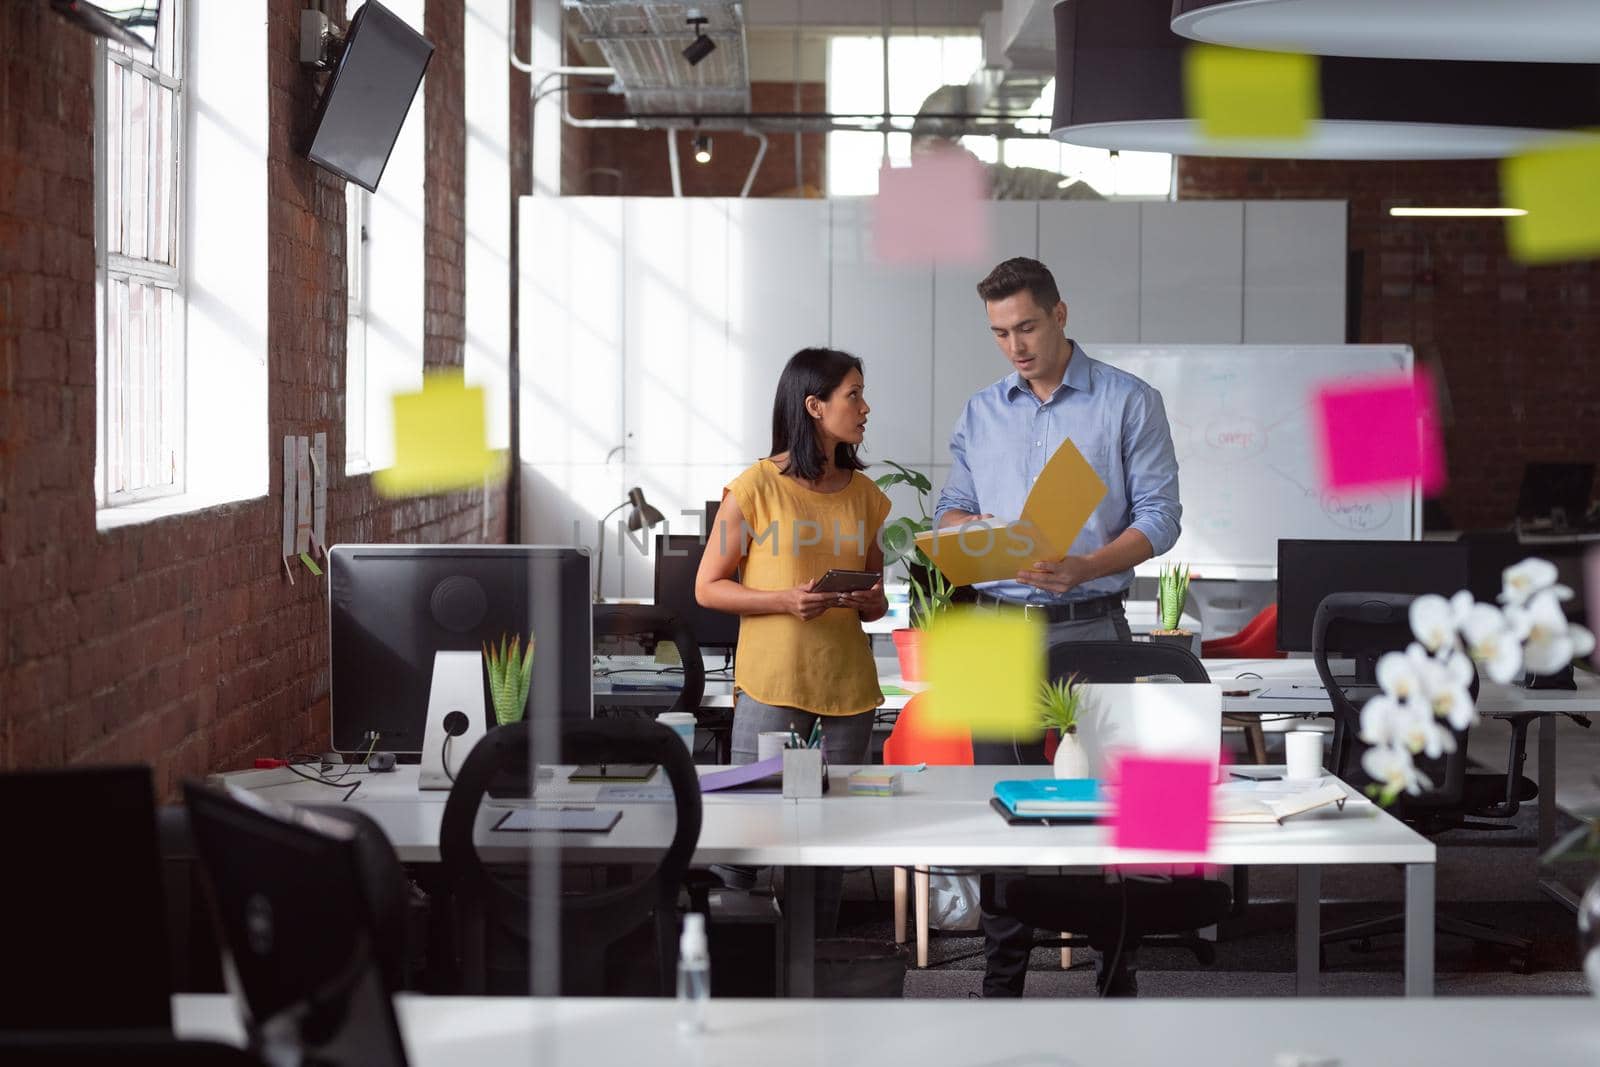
(1015, 275)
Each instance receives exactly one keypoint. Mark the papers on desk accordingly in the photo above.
(1314, 692)
(1273, 802)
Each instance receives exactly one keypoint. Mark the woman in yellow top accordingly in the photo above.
(782, 524)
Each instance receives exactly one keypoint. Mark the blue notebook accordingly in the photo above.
(1060, 797)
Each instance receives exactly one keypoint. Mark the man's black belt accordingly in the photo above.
(1071, 611)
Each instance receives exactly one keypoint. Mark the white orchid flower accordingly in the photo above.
(1492, 642)
(1444, 691)
(1461, 606)
(1380, 720)
(1549, 642)
(1521, 582)
(1432, 621)
(1399, 675)
(1419, 732)
(1393, 768)
(1582, 640)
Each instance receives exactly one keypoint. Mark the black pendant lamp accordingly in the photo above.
(1119, 84)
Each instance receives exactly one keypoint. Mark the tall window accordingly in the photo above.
(356, 203)
(139, 123)
(920, 64)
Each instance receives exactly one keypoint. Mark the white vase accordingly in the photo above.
(1071, 761)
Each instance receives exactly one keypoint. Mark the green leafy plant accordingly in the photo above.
(930, 589)
(1172, 591)
(1061, 703)
(510, 675)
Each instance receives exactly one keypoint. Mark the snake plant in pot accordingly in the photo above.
(1171, 592)
(930, 589)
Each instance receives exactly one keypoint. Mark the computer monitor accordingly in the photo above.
(1310, 570)
(1549, 488)
(288, 891)
(82, 907)
(677, 562)
(392, 607)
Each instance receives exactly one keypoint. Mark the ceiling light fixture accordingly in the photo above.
(1528, 31)
(1119, 84)
(1455, 212)
(702, 148)
(701, 46)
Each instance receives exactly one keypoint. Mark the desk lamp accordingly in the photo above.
(642, 517)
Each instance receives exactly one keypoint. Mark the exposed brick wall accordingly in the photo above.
(180, 643)
(1516, 346)
(641, 158)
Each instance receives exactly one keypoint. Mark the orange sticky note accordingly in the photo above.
(1242, 94)
(1559, 188)
(439, 439)
(932, 211)
(983, 671)
(1162, 804)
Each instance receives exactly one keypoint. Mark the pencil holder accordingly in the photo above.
(802, 772)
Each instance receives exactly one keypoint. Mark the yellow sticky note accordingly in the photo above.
(439, 439)
(983, 671)
(1559, 188)
(1240, 94)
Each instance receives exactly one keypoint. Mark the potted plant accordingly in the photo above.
(1061, 705)
(510, 671)
(930, 589)
(1171, 592)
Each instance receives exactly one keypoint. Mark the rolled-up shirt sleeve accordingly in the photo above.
(959, 492)
(1152, 469)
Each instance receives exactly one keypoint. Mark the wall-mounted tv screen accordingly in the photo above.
(366, 100)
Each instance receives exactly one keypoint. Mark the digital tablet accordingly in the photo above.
(846, 581)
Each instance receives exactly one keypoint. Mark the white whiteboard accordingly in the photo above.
(1243, 428)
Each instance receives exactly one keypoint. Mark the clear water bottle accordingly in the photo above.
(694, 973)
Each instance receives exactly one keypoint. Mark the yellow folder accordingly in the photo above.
(1062, 499)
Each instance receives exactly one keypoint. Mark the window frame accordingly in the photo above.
(358, 215)
(114, 268)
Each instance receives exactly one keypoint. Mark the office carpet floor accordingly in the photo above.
(1492, 883)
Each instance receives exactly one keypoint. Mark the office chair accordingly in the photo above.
(1370, 624)
(635, 620)
(1155, 912)
(495, 900)
(82, 907)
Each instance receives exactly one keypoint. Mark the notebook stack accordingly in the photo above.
(874, 782)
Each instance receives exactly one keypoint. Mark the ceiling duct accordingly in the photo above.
(644, 42)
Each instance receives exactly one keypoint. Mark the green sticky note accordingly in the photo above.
(983, 671)
(439, 439)
(1558, 185)
(895, 691)
(311, 564)
(1240, 94)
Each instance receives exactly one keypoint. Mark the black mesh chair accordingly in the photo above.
(1369, 625)
(1134, 911)
(495, 899)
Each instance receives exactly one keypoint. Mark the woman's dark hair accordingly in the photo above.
(810, 372)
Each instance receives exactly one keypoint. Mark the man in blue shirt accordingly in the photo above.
(1004, 437)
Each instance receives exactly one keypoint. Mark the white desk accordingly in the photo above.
(1494, 701)
(581, 1032)
(943, 819)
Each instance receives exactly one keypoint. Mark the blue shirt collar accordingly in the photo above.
(1078, 377)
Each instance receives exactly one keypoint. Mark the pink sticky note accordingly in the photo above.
(1379, 433)
(932, 210)
(1163, 804)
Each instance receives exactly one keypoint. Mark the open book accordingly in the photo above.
(1274, 808)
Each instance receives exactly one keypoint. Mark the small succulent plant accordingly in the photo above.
(510, 670)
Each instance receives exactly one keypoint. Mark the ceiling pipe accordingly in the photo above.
(761, 153)
(672, 158)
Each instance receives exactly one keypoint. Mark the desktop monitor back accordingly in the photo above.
(677, 562)
(1310, 570)
(301, 934)
(1548, 488)
(1152, 720)
(82, 908)
(392, 607)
